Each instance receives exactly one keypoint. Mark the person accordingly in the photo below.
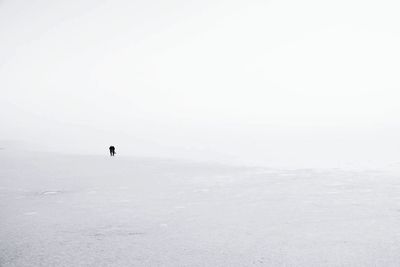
(112, 151)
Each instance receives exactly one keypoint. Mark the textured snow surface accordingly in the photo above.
(65, 210)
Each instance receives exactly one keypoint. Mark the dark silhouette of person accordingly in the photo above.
(112, 151)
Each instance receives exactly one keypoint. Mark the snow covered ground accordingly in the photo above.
(74, 210)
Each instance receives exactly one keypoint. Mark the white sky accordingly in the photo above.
(251, 80)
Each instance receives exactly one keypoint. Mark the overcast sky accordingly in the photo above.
(247, 80)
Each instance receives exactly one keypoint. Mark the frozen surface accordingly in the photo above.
(65, 210)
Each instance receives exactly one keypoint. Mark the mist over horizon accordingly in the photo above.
(276, 83)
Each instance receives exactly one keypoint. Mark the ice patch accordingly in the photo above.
(114, 231)
(204, 190)
(50, 192)
(31, 213)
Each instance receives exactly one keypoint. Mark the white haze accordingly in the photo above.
(296, 83)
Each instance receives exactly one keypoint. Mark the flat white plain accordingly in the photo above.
(70, 210)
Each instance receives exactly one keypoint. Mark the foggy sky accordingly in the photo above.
(252, 81)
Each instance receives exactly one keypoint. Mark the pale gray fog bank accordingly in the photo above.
(282, 83)
(77, 210)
